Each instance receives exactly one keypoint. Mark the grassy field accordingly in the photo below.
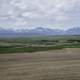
(41, 43)
(47, 65)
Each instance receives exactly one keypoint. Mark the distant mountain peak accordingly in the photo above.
(39, 31)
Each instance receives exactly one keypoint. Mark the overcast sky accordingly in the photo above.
(19, 14)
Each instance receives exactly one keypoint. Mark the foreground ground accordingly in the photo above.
(48, 65)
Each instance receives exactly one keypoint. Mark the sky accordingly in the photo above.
(28, 14)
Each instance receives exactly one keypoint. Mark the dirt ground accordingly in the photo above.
(47, 65)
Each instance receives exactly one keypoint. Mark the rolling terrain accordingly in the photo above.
(38, 43)
(40, 58)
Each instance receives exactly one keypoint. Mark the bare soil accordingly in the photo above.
(48, 65)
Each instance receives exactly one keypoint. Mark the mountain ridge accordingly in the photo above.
(39, 31)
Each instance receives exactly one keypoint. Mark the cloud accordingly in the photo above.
(40, 12)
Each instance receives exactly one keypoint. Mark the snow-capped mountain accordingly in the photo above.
(38, 31)
(73, 31)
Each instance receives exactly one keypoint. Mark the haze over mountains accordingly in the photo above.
(39, 32)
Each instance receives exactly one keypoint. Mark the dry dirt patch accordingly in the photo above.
(47, 65)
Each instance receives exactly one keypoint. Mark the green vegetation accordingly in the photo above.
(42, 43)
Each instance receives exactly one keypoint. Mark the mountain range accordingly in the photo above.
(39, 32)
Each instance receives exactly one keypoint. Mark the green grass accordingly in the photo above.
(12, 49)
(19, 45)
(26, 49)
